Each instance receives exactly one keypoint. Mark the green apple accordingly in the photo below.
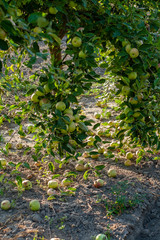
(68, 111)
(136, 114)
(43, 101)
(71, 127)
(98, 183)
(130, 120)
(134, 53)
(128, 48)
(127, 110)
(53, 184)
(51, 192)
(34, 205)
(19, 146)
(46, 88)
(53, 10)
(27, 184)
(95, 156)
(34, 98)
(72, 4)
(61, 106)
(125, 42)
(3, 162)
(97, 115)
(79, 167)
(42, 22)
(133, 101)
(39, 93)
(101, 237)
(128, 163)
(76, 42)
(100, 150)
(3, 34)
(66, 182)
(5, 204)
(87, 166)
(82, 54)
(71, 117)
(85, 155)
(37, 30)
(112, 172)
(76, 117)
(129, 155)
(132, 75)
(139, 43)
(126, 90)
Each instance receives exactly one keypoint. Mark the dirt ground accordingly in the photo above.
(127, 207)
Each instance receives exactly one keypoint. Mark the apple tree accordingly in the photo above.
(120, 36)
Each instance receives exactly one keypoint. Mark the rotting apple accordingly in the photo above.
(76, 42)
(66, 182)
(43, 101)
(5, 204)
(53, 184)
(61, 106)
(34, 205)
(98, 183)
(27, 184)
(51, 192)
(134, 53)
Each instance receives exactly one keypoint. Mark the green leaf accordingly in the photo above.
(51, 166)
(56, 38)
(85, 175)
(26, 165)
(0, 66)
(83, 126)
(99, 167)
(33, 17)
(3, 46)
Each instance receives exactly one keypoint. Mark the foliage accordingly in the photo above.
(105, 29)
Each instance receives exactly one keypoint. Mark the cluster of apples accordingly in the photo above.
(35, 97)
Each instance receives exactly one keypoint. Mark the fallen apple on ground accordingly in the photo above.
(98, 183)
(128, 163)
(97, 115)
(27, 184)
(101, 237)
(3, 162)
(51, 192)
(66, 182)
(53, 184)
(129, 155)
(34, 205)
(19, 146)
(79, 167)
(5, 204)
(112, 172)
